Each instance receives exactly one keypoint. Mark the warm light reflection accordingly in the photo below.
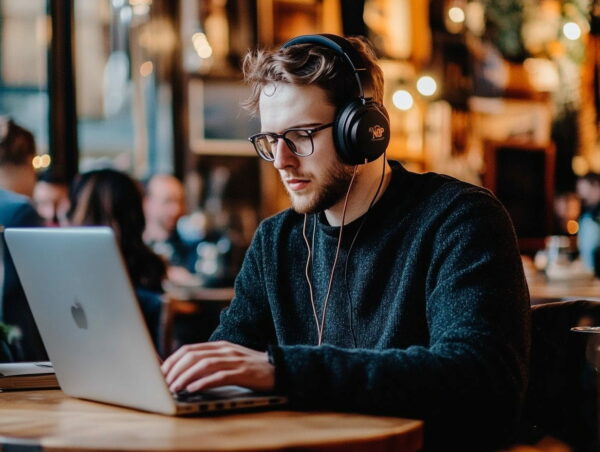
(402, 100)
(572, 227)
(456, 15)
(426, 85)
(201, 45)
(141, 10)
(580, 165)
(146, 68)
(41, 161)
(572, 31)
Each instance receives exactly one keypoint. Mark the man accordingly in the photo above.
(381, 291)
(164, 204)
(588, 239)
(17, 179)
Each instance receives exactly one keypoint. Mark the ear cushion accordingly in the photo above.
(361, 131)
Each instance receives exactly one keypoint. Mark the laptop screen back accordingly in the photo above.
(89, 319)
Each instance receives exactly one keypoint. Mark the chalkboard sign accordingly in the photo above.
(522, 177)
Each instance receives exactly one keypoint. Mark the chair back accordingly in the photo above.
(562, 397)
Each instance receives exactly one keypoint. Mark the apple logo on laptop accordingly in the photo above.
(79, 315)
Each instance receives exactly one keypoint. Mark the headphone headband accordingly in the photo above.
(361, 126)
(339, 45)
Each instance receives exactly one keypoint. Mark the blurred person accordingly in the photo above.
(567, 210)
(192, 257)
(164, 205)
(51, 199)
(17, 179)
(588, 239)
(16, 154)
(381, 290)
(111, 198)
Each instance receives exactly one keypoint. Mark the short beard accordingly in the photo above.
(334, 188)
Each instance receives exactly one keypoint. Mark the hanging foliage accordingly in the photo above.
(504, 19)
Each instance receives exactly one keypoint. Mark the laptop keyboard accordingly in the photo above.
(226, 397)
(220, 393)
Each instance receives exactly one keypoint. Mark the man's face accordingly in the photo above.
(319, 181)
(164, 203)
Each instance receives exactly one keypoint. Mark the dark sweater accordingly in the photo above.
(430, 321)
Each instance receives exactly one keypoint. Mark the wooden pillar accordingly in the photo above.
(62, 130)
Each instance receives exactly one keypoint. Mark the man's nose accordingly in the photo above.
(284, 157)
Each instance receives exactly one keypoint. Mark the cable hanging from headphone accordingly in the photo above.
(321, 324)
(360, 226)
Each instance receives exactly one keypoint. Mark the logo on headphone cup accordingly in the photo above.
(377, 132)
(354, 121)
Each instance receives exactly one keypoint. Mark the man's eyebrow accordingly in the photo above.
(307, 125)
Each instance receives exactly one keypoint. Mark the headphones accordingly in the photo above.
(361, 129)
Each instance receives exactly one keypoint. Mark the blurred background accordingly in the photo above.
(503, 94)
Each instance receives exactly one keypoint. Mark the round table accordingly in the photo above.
(50, 420)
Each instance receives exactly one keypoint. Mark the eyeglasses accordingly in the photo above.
(299, 140)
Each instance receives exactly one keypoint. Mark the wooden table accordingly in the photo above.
(542, 290)
(50, 420)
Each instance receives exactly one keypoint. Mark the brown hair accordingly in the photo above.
(306, 64)
(17, 146)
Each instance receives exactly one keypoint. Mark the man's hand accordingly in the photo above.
(201, 366)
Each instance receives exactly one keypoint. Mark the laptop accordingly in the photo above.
(92, 325)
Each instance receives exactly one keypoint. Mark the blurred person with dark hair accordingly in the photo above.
(110, 198)
(17, 178)
(51, 199)
(588, 239)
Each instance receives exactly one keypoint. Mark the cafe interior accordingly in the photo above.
(500, 94)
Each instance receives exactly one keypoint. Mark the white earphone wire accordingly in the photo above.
(362, 222)
(321, 325)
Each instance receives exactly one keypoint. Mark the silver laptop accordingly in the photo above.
(93, 328)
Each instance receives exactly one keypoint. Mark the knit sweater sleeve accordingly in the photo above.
(476, 304)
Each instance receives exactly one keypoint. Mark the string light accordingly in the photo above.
(426, 85)
(403, 100)
(201, 45)
(456, 15)
(41, 161)
(579, 165)
(572, 31)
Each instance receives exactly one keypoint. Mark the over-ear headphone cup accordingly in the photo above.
(361, 132)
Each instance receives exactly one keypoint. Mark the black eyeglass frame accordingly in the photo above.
(290, 144)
